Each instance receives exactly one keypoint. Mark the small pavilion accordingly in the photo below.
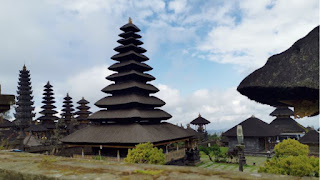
(201, 123)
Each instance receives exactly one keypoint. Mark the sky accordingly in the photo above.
(200, 50)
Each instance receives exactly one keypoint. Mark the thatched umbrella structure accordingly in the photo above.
(289, 78)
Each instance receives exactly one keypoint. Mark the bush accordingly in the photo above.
(145, 153)
(292, 165)
(292, 159)
(291, 147)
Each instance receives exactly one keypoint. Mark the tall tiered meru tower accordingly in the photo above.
(130, 100)
(24, 110)
(130, 115)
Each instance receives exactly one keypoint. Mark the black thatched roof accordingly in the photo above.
(4, 123)
(129, 65)
(282, 111)
(36, 128)
(140, 100)
(292, 75)
(287, 125)
(200, 121)
(126, 76)
(253, 127)
(130, 86)
(122, 114)
(312, 137)
(127, 134)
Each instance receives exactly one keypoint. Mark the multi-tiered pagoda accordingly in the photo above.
(83, 112)
(130, 115)
(48, 113)
(24, 110)
(67, 109)
(287, 126)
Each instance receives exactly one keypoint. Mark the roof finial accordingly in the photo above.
(24, 67)
(130, 20)
(199, 115)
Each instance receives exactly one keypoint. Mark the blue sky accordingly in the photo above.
(200, 50)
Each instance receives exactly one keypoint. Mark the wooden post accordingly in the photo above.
(177, 146)
(82, 152)
(166, 149)
(118, 155)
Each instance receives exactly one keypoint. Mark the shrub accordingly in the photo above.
(291, 147)
(145, 153)
(292, 165)
(292, 159)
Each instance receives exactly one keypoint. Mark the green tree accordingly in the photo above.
(145, 153)
(291, 147)
(213, 151)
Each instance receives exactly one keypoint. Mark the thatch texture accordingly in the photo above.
(253, 127)
(312, 137)
(291, 77)
(130, 86)
(4, 123)
(282, 111)
(287, 125)
(121, 114)
(36, 128)
(140, 100)
(133, 133)
(200, 121)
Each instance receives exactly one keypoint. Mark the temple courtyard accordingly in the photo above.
(36, 166)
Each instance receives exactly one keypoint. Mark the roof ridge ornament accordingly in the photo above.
(24, 67)
(130, 20)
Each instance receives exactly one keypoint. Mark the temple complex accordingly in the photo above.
(130, 115)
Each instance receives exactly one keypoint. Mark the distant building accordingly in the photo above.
(287, 126)
(312, 140)
(258, 135)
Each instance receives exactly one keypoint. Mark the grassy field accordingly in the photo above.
(206, 163)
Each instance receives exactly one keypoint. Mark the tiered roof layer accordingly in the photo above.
(130, 99)
(67, 109)
(24, 110)
(48, 113)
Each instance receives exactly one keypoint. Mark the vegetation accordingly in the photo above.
(291, 147)
(220, 155)
(214, 136)
(292, 159)
(145, 153)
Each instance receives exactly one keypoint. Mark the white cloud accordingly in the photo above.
(224, 109)
(178, 6)
(261, 32)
